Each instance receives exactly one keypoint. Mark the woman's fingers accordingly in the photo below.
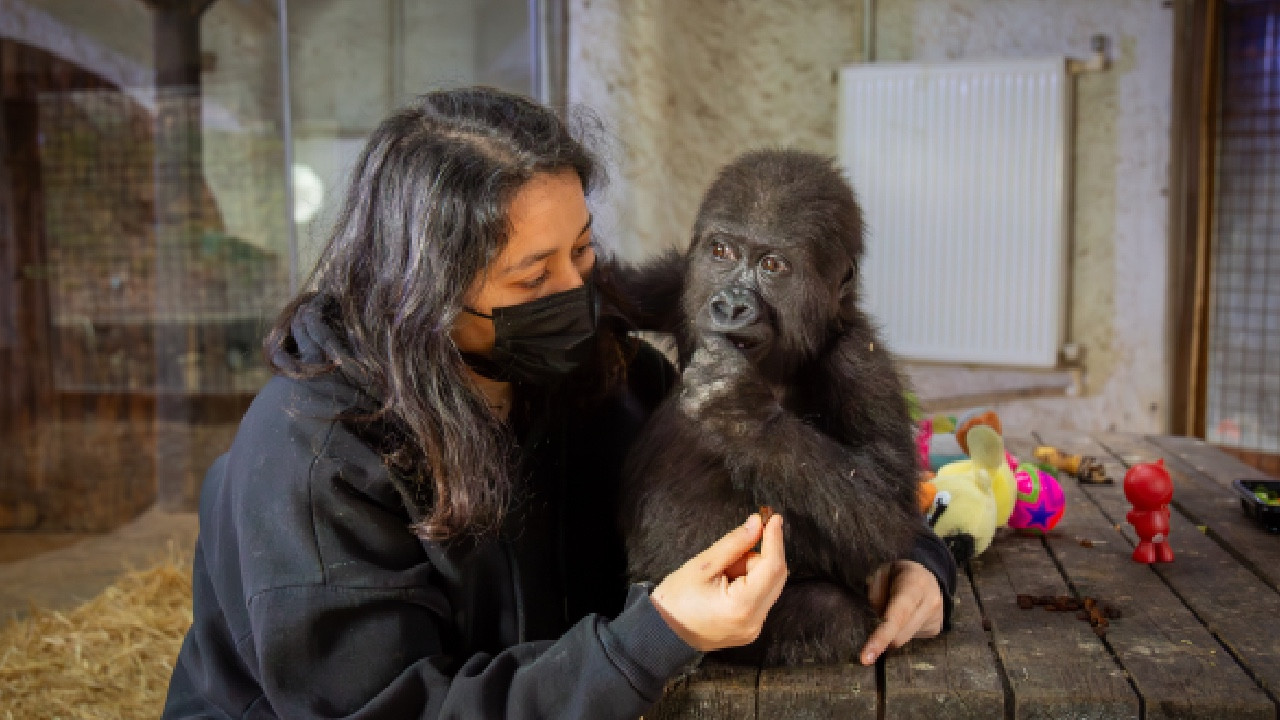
(769, 559)
(767, 571)
(720, 598)
(742, 565)
(728, 550)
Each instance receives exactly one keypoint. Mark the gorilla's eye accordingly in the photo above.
(720, 251)
(774, 264)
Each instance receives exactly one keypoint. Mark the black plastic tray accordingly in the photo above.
(1267, 515)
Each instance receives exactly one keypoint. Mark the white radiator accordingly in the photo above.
(962, 172)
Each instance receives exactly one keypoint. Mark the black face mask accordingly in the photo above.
(540, 341)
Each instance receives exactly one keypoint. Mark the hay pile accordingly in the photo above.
(109, 658)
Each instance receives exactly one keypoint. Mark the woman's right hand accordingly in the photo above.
(719, 599)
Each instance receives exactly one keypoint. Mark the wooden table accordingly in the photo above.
(1197, 638)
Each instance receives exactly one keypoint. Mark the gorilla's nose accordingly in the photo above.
(734, 308)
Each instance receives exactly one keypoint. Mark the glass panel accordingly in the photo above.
(352, 62)
(143, 179)
(146, 235)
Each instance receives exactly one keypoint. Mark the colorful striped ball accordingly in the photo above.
(1040, 502)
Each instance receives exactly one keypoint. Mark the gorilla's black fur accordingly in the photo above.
(787, 399)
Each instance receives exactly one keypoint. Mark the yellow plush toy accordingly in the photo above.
(986, 451)
(966, 510)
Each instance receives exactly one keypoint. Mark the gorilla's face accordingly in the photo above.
(772, 266)
(771, 297)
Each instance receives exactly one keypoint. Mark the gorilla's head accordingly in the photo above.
(773, 262)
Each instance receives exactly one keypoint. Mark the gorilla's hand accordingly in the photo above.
(724, 394)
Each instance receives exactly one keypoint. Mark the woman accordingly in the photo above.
(414, 519)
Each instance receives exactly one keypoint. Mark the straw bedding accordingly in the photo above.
(109, 658)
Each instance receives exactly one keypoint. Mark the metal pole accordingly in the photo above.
(397, 54)
(547, 33)
(537, 59)
(869, 30)
(287, 121)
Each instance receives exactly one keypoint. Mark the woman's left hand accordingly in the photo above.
(909, 601)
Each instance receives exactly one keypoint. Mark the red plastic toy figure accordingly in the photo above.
(1149, 488)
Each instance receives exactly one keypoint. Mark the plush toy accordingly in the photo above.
(1040, 502)
(944, 450)
(964, 512)
(973, 419)
(985, 447)
(924, 433)
(927, 492)
(946, 437)
(943, 424)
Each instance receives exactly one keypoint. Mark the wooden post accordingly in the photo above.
(26, 394)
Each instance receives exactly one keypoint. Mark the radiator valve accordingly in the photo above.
(1098, 61)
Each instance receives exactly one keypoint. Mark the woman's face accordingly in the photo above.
(549, 251)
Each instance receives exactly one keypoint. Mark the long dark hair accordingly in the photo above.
(426, 212)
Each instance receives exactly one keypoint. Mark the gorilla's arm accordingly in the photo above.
(648, 293)
(865, 398)
(862, 492)
(882, 412)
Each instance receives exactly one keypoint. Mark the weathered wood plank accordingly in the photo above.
(1176, 665)
(953, 676)
(1213, 463)
(1055, 665)
(1210, 537)
(1210, 500)
(817, 692)
(1234, 604)
(716, 691)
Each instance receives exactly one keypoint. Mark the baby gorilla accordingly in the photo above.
(787, 399)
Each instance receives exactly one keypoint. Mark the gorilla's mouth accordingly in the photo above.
(744, 343)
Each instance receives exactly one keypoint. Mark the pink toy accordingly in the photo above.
(1149, 488)
(923, 434)
(1040, 503)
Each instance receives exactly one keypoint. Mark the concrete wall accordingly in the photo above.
(683, 87)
